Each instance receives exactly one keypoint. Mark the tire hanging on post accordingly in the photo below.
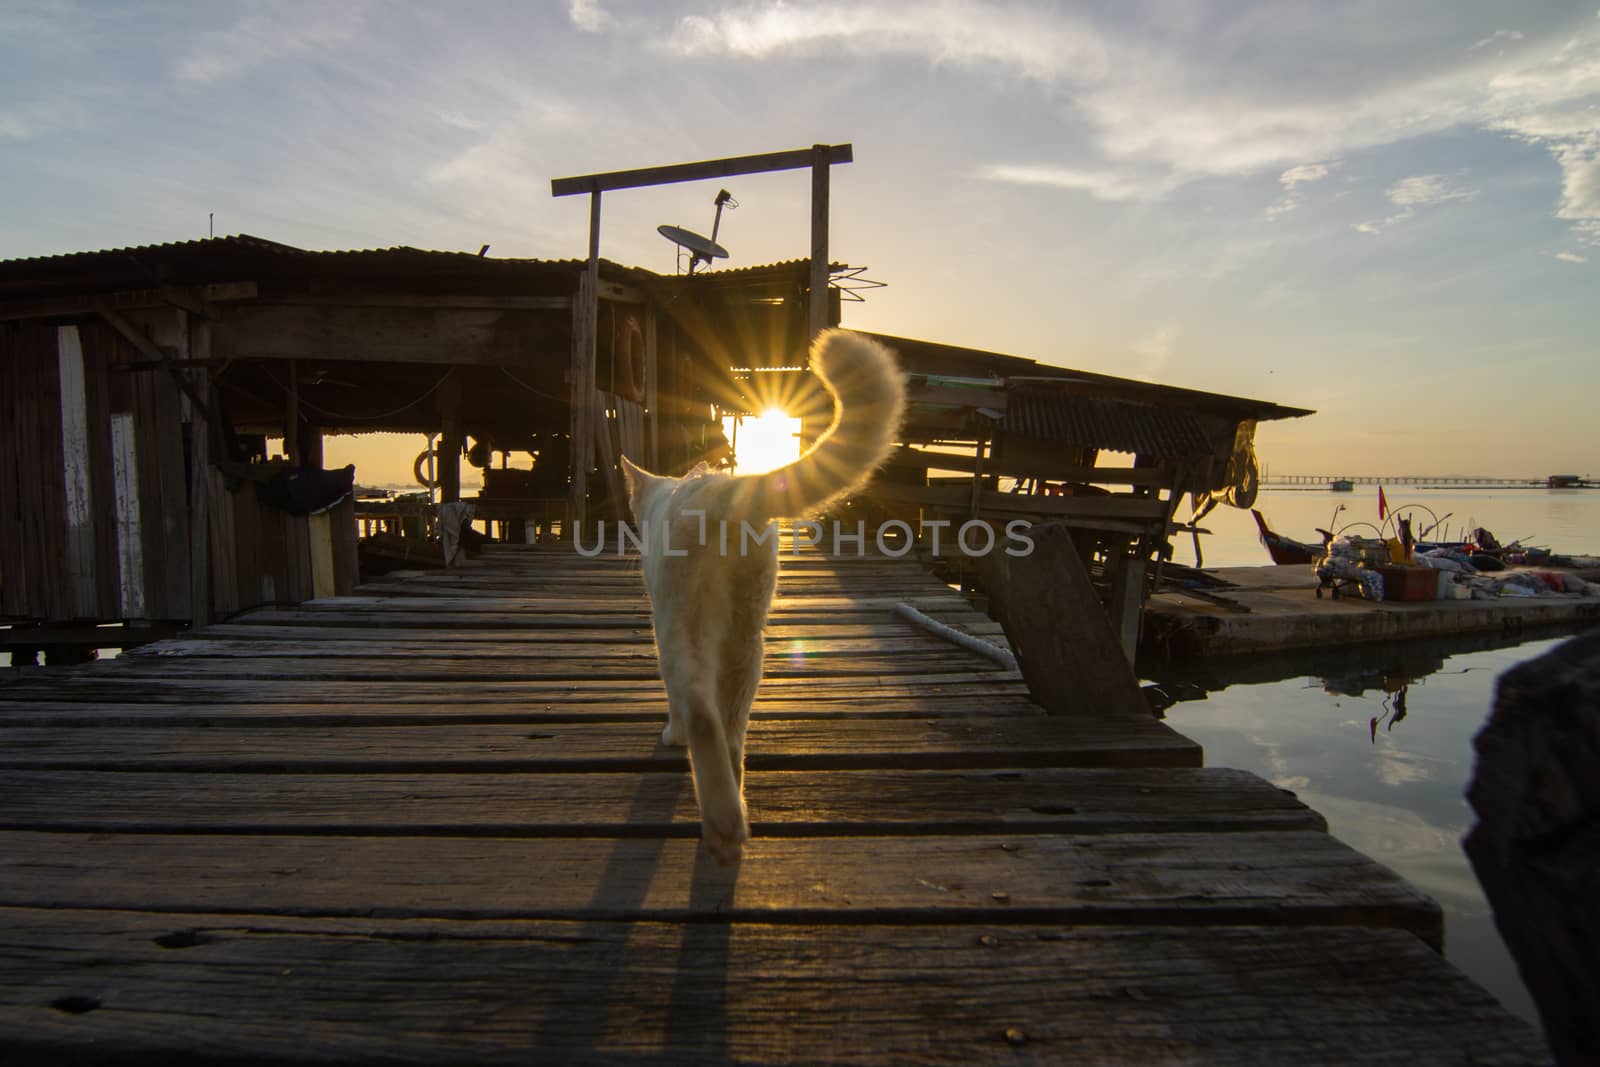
(629, 348)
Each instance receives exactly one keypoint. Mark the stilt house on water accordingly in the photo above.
(139, 386)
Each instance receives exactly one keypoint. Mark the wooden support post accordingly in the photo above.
(977, 473)
(308, 450)
(195, 340)
(291, 416)
(1536, 846)
(652, 386)
(1127, 595)
(1067, 650)
(586, 325)
(448, 476)
(79, 549)
(130, 527)
(821, 161)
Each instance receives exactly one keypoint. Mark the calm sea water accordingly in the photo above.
(1395, 790)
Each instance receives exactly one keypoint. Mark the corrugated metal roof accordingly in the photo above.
(244, 257)
(1159, 430)
(244, 244)
(929, 357)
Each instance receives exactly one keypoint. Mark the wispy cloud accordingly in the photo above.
(1291, 180)
(1020, 41)
(1570, 257)
(1554, 101)
(284, 29)
(1427, 189)
(589, 16)
(1105, 183)
(1164, 110)
(1497, 37)
(1408, 194)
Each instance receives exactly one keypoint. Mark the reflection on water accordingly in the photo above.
(1378, 739)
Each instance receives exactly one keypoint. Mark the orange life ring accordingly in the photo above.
(630, 350)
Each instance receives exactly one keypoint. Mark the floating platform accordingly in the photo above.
(433, 823)
(1238, 611)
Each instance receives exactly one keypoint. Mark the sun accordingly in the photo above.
(764, 442)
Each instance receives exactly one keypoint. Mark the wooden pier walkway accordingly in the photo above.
(433, 823)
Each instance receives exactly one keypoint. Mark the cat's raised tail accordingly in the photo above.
(869, 398)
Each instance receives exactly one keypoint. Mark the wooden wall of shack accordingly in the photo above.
(96, 492)
(280, 341)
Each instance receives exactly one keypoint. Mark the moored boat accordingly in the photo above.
(1284, 550)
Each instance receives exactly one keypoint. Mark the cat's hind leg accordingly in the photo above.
(736, 690)
(674, 733)
(723, 822)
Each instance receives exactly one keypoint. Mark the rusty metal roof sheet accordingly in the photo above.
(928, 357)
(243, 257)
(1158, 430)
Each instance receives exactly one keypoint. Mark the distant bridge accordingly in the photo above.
(1325, 480)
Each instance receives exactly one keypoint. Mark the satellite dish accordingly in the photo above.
(701, 249)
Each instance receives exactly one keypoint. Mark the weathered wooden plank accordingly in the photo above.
(48, 453)
(347, 571)
(266, 634)
(319, 546)
(174, 510)
(129, 525)
(641, 664)
(219, 987)
(1279, 878)
(1064, 643)
(249, 561)
(575, 602)
(14, 560)
(148, 482)
(333, 614)
(102, 488)
(781, 744)
(224, 542)
(127, 687)
(297, 553)
(77, 499)
(39, 566)
(434, 335)
(792, 159)
(203, 709)
(885, 801)
(576, 653)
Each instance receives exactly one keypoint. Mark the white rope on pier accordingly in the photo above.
(954, 636)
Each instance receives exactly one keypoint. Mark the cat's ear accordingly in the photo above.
(636, 478)
(698, 469)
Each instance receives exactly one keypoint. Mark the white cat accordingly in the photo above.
(709, 602)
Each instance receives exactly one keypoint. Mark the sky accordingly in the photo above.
(1386, 212)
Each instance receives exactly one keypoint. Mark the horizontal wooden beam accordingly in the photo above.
(964, 461)
(410, 300)
(466, 336)
(993, 399)
(201, 300)
(189, 298)
(794, 159)
(959, 497)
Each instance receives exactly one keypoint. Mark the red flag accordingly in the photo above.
(1383, 505)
